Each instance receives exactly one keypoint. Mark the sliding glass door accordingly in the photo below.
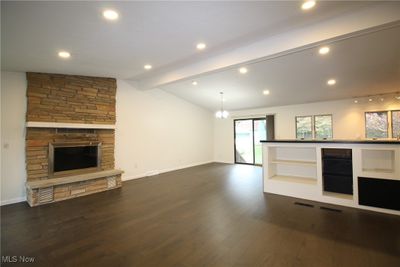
(248, 133)
(244, 149)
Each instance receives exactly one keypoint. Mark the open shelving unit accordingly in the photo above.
(291, 171)
(376, 162)
(293, 164)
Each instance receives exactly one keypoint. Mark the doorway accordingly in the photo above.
(248, 133)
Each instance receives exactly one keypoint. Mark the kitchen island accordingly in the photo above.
(362, 174)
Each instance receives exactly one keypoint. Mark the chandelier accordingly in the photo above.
(222, 114)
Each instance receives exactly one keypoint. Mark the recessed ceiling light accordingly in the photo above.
(243, 70)
(397, 97)
(370, 100)
(148, 67)
(382, 99)
(110, 14)
(266, 92)
(201, 46)
(324, 50)
(308, 5)
(194, 83)
(356, 101)
(331, 82)
(64, 54)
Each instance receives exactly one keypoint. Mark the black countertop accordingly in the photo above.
(393, 142)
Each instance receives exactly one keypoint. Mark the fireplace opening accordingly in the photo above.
(65, 158)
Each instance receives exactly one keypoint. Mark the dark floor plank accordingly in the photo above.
(209, 215)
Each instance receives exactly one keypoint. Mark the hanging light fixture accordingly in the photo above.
(222, 114)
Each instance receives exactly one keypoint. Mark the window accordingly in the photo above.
(376, 124)
(395, 123)
(318, 127)
(304, 127)
(323, 126)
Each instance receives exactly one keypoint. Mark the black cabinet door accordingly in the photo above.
(337, 170)
(380, 193)
(338, 166)
(338, 184)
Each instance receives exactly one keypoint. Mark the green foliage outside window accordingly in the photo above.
(396, 123)
(376, 124)
(323, 126)
(304, 127)
(318, 127)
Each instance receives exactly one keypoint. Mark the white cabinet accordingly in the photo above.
(295, 169)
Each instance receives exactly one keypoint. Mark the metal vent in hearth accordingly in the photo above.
(46, 194)
(111, 182)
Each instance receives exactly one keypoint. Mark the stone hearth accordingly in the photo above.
(59, 108)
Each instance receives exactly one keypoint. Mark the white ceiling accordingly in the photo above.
(163, 34)
(364, 65)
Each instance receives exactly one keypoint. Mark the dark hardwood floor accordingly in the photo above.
(210, 215)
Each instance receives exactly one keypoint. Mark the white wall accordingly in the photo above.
(348, 121)
(157, 132)
(13, 109)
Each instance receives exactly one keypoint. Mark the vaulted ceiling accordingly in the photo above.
(361, 65)
(165, 34)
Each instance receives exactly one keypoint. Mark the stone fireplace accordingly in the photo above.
(70, 137)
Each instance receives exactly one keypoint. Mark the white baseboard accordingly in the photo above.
(225, 162)
(13, 200)
(156, 172)
(132, 177)
(152, 173)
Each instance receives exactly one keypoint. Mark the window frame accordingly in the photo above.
(387, 124)
(391, 120)
(312, 126)
(315, 131)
